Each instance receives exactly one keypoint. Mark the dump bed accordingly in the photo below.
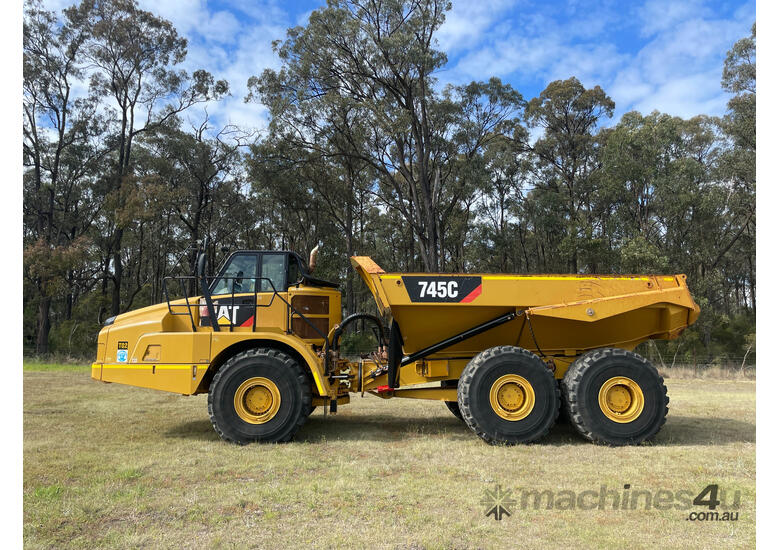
(559, 315)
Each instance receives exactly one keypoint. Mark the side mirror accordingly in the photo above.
(202, 264)
(202, 258)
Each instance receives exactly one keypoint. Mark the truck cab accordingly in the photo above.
(256, 296)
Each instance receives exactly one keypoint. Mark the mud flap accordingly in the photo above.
(394, 355)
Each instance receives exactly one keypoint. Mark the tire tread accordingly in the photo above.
(258, 353)
(573, 378)
(467, 378)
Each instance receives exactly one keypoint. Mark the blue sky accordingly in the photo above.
(647, 55)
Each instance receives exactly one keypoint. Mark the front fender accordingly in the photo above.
(222, 342)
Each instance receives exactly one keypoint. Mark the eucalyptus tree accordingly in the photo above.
(196, 166)
(569, 114)
(61, 151)
(374, 62)
(502, 189)
(738, 163)
(132, 56)
(340, 184)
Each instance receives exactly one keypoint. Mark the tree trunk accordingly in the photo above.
(69, 298)
(116, 291)
(44, 325)
(350, 290)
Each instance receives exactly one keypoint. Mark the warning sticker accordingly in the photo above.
(121, 352)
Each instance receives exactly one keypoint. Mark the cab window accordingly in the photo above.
(273, 271)
(238, 276)
(293, 272)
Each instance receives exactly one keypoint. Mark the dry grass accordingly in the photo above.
(734, 372)
(115, 466)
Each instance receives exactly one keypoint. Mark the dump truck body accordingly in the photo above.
(561, 317)
(263, 340)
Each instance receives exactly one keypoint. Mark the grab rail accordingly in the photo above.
(275, 293)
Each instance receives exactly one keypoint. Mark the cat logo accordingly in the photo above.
(229, 314)
(226, 315)
(238, 315)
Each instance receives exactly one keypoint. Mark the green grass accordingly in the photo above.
(44, 366)
(112, 466)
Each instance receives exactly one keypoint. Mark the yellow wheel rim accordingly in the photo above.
(512, 397)
(621, 399)
(257, 400)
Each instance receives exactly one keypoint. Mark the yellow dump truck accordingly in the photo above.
(505, 353)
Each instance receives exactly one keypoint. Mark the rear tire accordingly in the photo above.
(615, 397)
(259, 395)
(507, 395)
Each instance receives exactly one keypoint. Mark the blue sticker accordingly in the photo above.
(121, 356)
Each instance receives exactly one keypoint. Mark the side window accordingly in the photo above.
(293, 272)
(273, 269)
(238, 275)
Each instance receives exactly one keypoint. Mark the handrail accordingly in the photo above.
(207, 296)
(290, 308)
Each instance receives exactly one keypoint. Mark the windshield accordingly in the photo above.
(238, 275)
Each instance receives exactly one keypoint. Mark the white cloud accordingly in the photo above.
(686, 96)
(591, 63)
(661, 15)
(547, 57)
(629, 87)
(227, 26)
(230, 45)
(184, 14)
(676, 70)
(303, 18)
(467, 23)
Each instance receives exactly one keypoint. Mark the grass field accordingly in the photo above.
(115, 466)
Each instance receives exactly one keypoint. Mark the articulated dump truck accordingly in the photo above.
(505, 353)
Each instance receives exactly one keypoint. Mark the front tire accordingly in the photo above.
(507, 395)
(259, 395)
(615, 397)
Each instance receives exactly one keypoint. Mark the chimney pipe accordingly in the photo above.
(313, 258)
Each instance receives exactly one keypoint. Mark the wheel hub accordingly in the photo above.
(621, 399)
(257, 400)
(512, 397)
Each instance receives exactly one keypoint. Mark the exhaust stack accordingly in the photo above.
(313, 258)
